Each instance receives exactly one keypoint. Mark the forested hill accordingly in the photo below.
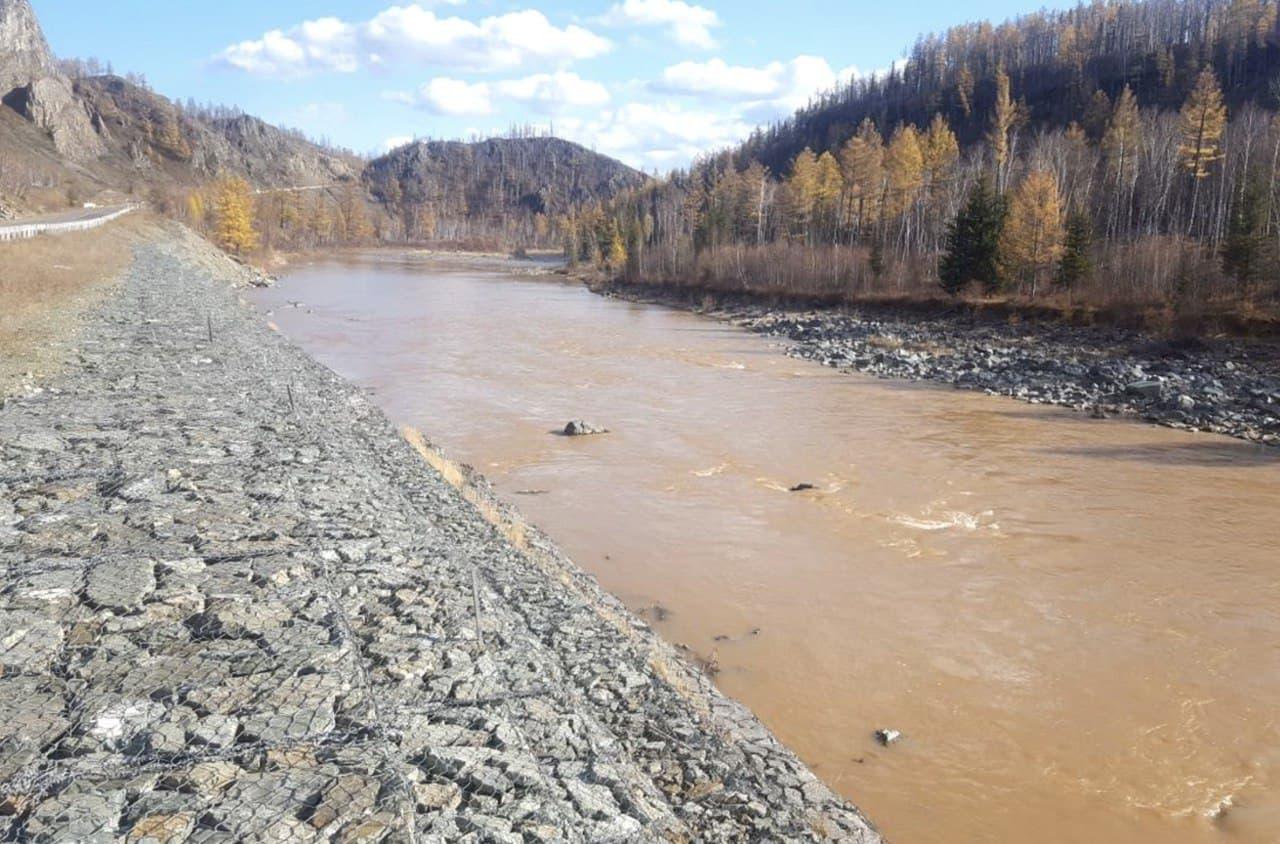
(508, 189)
(1060, 66)
(1121, 153)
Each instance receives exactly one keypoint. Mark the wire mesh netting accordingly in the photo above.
(234, 606)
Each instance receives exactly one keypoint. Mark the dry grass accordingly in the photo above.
(45, 285)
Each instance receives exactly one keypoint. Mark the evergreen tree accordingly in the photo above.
(973, 242)
(1244, 249)
(1076, 263)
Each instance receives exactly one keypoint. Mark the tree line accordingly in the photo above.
(1118, 152)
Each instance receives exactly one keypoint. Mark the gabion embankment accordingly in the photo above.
(237, 606)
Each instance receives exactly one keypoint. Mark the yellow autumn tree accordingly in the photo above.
(354, 216)
(196, 209)
(233, 216)
(827, 188)
(1004, 118)
(1032, 240)
(802, 190)
(940, 150)
(904, 165)
(1202, 121)
(1123, 137)
(862, 161)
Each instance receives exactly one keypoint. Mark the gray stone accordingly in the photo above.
(84, 816)
(120, 585)
(579, 428)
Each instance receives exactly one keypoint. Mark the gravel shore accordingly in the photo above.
(1225, 387)
(238, 606)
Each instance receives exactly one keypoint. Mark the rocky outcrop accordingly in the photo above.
(156, 136)
(31, 85)
(51, 104)
(24, 53)
(235, 605)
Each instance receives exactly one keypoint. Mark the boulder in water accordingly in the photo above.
(578, 428)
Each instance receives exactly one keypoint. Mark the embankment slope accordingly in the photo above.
(237, 605)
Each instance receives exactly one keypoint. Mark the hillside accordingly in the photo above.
(65, 140)
(504, 188)
(1057, 63)
(1118, 154)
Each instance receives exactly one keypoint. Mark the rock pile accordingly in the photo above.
(236, 606)
(1231, 389)
(1225, 387)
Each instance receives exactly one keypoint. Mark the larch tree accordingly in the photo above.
(1121, 145)
(941, 151)
(196, 209)
(1004, 119)
(1032, 240)
(802, 191)
(964, 92)
(862, 160)
(1122, 138)
(904, 166)
(1200, 126)
(233, 216)
(828, 186)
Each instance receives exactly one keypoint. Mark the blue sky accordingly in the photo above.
(653, 82)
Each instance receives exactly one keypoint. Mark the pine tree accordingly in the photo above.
(1245, 246)
(1031, 242)
(973, 242)
(1076, 263)
(233, 216)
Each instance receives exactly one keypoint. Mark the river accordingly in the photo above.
(1074, 623)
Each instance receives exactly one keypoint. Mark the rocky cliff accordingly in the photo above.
(106, 133)
(31, 85)
(24, 54)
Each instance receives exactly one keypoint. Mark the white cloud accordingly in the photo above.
(689, 25)
(551, 92)
(415, 35)
(656, 136)
(453, 97)
(396, 141)
(547, 93)
(766, 93)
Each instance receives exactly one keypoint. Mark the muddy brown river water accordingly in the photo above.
(1074, 623)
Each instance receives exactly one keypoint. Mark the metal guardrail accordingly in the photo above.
(29, 230)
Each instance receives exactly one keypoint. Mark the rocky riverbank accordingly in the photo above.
(237, 606)
(1226, 387)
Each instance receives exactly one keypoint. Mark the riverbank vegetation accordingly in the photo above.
(1116, 155)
